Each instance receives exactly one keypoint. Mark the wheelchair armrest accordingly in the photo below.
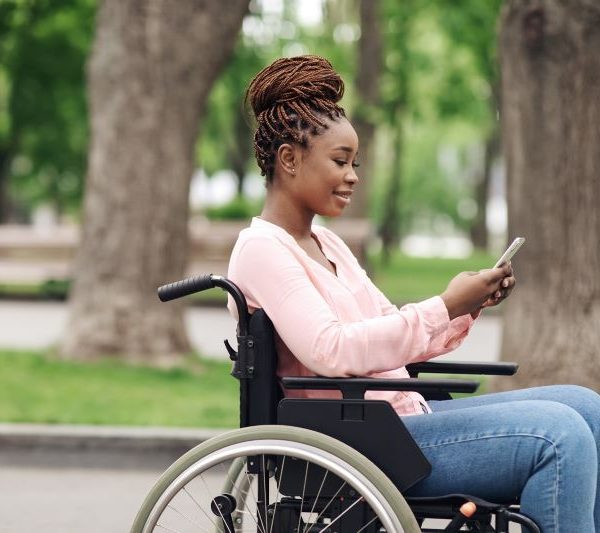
(355, 388)
(463, 367)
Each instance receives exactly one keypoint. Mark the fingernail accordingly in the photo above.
(505, 283)
(498, 294)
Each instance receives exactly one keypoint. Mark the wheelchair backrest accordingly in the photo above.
(260, 395)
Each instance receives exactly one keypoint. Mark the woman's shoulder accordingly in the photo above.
(261, 231)
(261, 239)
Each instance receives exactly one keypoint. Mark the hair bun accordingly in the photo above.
(301, 78)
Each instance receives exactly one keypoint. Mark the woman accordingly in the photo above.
(540, 444)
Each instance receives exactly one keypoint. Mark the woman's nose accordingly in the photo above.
(352, 177)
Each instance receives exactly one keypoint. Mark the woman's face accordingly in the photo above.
(325, 171)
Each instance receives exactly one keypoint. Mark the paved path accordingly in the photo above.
(89, 479)
(36, 325)
(64, 500)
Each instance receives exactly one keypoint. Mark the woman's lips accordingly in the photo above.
(343, 195)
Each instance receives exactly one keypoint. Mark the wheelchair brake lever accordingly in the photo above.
(233, 355)
(466, 511)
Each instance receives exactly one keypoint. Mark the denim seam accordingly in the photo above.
(482, 437)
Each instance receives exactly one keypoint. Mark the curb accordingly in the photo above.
(41, 445)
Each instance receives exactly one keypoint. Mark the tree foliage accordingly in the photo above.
(43, 117)
(438, 97)
(436, 110)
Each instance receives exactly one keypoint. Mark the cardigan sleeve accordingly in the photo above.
(446, 340)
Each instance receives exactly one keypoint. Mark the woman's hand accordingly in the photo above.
(506, 286)
(468, 292)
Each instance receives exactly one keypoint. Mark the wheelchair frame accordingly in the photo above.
(351, 420)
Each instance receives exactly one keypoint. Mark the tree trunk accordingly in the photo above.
(5, 162)
(479, 232)
(150, 72)
(551, 113)
(240, 152)
(367, 85)
(390, 225)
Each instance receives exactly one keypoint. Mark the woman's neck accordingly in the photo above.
(285, 214)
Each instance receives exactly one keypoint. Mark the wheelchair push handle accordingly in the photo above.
(181, 288)
(188, 286)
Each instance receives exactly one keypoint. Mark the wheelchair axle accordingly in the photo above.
(223, 506)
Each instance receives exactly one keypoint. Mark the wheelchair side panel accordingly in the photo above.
(371, 427)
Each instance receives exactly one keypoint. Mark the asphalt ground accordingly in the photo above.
(63, 479)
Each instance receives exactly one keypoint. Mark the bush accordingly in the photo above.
(239, 208)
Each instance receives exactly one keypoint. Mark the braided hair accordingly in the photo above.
(291, 100)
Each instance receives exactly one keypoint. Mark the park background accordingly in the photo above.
(126, 162)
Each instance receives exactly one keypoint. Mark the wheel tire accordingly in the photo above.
(295, 440)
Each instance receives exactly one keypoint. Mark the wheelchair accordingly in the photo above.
(313, 465)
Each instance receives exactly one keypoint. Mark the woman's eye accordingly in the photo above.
(341, 163)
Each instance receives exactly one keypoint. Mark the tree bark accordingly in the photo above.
(240, 152)
(367, 85)
(389, 230)
(5, 162)
(150, 72)
(551, 137)
(479, 231)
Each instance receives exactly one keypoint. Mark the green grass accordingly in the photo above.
(37, 388)
(410, 279)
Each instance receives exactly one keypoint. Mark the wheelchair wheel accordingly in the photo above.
(274, 479)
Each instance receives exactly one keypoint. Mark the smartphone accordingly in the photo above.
(510, 251)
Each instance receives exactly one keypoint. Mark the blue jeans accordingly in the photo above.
(541, 444)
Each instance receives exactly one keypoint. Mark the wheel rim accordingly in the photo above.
(180, 491)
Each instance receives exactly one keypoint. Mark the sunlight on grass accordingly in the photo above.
(37, 388)
(409, 279)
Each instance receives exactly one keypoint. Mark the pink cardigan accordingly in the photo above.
(337, 326)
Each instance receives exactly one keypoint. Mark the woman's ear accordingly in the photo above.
(286, 157)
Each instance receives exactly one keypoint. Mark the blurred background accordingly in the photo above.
(126, 162)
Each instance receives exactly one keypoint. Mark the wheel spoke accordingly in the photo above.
(166, 528)
(318, 495)
(192, 521)
(303, 492)
(331, 500)
(259, 526)
(264, 477)
(210, 518)
(278, 496)
(367, 524)
(341, 514)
